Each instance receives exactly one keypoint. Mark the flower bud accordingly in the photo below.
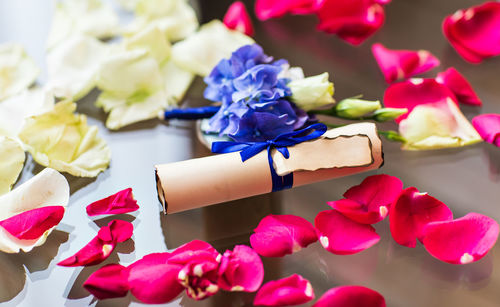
(312, 92)
(353, 108)
(388, 114)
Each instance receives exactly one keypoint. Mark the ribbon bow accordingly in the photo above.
(280, 143)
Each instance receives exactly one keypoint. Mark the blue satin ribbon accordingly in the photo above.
(280, 143)
(191, 113)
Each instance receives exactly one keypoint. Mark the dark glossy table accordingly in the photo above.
(466, 179)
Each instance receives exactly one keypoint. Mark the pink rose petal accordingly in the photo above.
(237, 18)
(292, 290)
(411, 212)
(119, 203)
(266, 9)
(402, 64)
(459, 86)
(241, 270)
(342, 236)
(473, 32)
(369, 202)
(488, 126)
(351, 296)
(411, 93)
(462, 240)
(279, 235)
(32, 224)
(352, 20)
(110, 281)
(101, 247)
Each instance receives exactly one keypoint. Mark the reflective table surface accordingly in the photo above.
(466, 179)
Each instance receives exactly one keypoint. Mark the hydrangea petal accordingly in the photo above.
(237, 18)
(241, 270)
(32, 224)
(17, 70)
(462, 240)
(488, 126)
(110, 281)
(118, 203)
(279, 235)
(459, 86)
(411, 211)
(266, 9)
(11, 163)
(352, 20)
(351, 296)
(342, 236)
(369, 202)
(402, 64)
(292, 290)
(63, 140)
(473, 32)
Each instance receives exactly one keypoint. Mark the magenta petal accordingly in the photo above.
(241, 270)
(266, 9)
(488, 126)
(352, 20)
(369, 202)
(119, 203)
(32, 224)
(342, 236)
(402, 64)
(110, 281)
(351, 296)
(459, 86)
(473, 32)
(411, 212)
(279, 235)
(116, 230)
(237, 18)
(463, 240)
(292, 290)
(411, 93)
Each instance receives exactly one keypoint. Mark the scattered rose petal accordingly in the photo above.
(473, 32)
(110, 281)
(241, 270)
(459, 86)
(292, 290)
(411, 211)
(17, 70)
(351, 296)
(402, 64)
(101, 247)
(118, 203)
(266, 9)
(11, 163)
(488, 126)
(352, 20)
(279, 235)
(342, 236)
(32, 224)
(462, 240)
(369, 202)
(237, 18)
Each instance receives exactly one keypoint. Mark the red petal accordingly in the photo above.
(351, 296)
(369, 202)
(119, 203)
(408, 94)
(292, 290)
(32, 224)
(279, 235)
(265, 9)
(352, 20)
(237, 18)
(473, 32)
(411, 212)
(459, 86)
(110, 281)
(241, 270)
(402, 64)
(116, 231)
(488, 126)
(342, 236)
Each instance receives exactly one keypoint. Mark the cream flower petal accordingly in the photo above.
(63, 140)
(201, 51)
(11, 162)
(48, 188)
(312, 92)
(177, 81)
(153, 41)
(17, 70)
(73, 66)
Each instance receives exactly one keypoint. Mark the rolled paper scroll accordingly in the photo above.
(220, 178)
